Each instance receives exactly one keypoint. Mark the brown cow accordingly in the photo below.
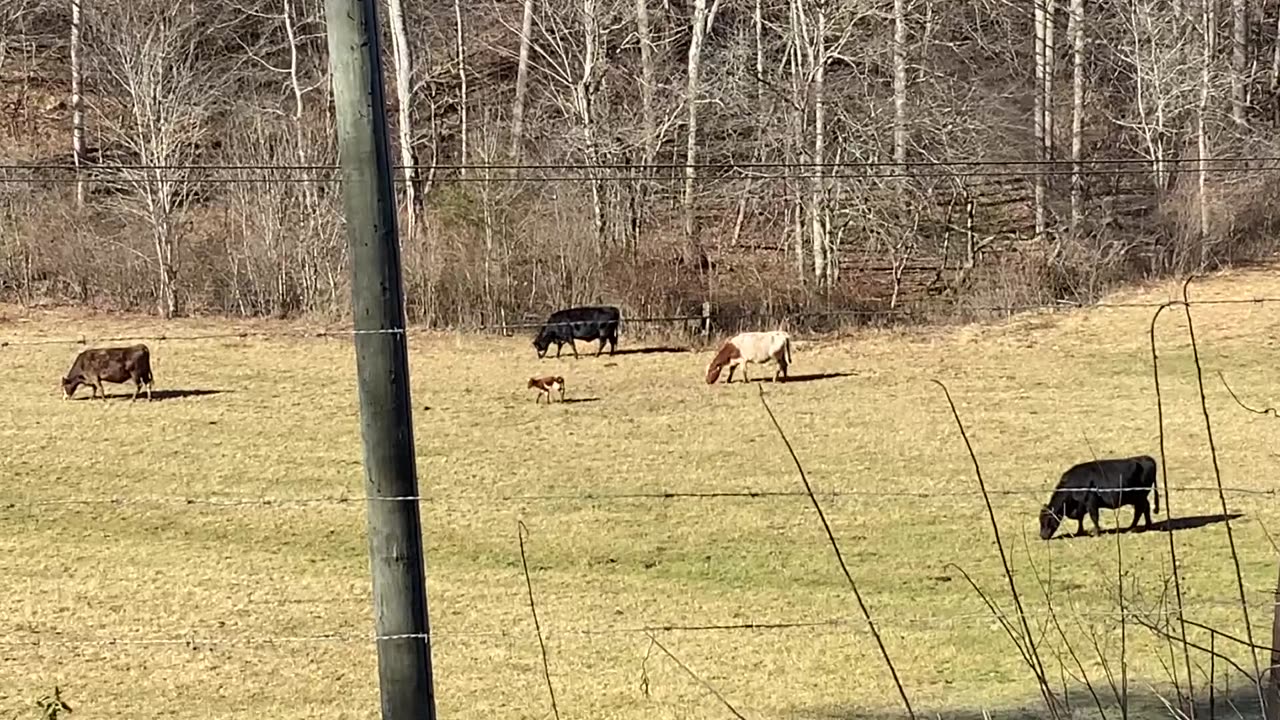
(115, 365)
(547, 385)
(751, 347)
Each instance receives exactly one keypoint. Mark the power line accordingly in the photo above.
(651, 166)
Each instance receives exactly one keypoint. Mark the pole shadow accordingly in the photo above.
(653, 351)
(569, 401)
(156, 395)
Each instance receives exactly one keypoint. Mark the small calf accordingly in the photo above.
(547, 385)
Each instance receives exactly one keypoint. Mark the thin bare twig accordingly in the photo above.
(1168, 510)
(1037, 667)
(835, 546)
(1222, 498)
(521, 532)
(1264, 411)
(695, 676)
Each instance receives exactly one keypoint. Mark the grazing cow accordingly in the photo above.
(580, 323)
(751, 347)
(547, 385)
(115, 365)
(1091, 486)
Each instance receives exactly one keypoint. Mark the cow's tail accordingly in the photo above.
(786, 346)
(1155, 487)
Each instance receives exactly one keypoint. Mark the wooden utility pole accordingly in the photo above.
(382, 363)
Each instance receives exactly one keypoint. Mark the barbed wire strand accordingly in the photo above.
(842, 623)
(625, 320)
(232, 502)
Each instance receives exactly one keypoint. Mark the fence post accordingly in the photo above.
(382, 363)
(706, 320)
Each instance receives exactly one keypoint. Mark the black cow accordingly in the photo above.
(1091, 486)
(580, 323)
(116, 365)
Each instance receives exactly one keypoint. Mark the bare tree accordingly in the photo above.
(153, 55)
(1239, 58)
(77, 101)
(463, 103)
(698, 31)
(900, 84)
(522, 78)
(1040, 21)
(403, 55)
(1075, 30)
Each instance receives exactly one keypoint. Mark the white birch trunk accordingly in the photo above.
(404, 97)
(522, 81)
(77, 101)
(692, 94)
(461, 51)
(1076, 31)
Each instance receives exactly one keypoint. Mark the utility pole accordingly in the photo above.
(382, 363)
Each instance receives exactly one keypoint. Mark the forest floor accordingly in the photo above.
(148, 570)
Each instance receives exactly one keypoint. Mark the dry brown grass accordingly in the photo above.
(286, 426)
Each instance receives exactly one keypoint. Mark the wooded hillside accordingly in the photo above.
(768, 155)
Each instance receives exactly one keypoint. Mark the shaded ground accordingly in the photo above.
(239, 608)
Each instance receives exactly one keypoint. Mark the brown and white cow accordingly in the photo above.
(547, 385)
(751, 347)
(115, 365)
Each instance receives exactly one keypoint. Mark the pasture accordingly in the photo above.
(256, 609)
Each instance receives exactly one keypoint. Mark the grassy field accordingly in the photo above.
(239, 593)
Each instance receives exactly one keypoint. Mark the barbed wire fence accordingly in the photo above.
(10, 503)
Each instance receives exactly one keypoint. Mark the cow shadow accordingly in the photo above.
(801, 378)
(652, 351)
(157, 395)
(1189, 522)
(570, 401)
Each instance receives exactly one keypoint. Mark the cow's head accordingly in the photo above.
(69, 386)
(542, 342)
(713, 371)
(1049, 521)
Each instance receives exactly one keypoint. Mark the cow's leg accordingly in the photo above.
(745, 378)
(137, 386)
(603, 340)
(1140, 508)
(574, 346)
(613, 344)
(1093, 515)
(558, 346)
(729, 379)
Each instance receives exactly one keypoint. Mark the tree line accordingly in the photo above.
(766, 155)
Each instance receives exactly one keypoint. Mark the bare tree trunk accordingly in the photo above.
(1239, 58)
(796, 138)
(759, 38)
(1271, 706)
(462, 87)
(77, 102)
(522, 80)
(1038, 113)
(817, 202)
(1275, 75)
(649, 122)
(900, 85)
(1050, 67)
(1209, 18)
(1076, 31)
(691, 139)
(404, 97)
(584, 92)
